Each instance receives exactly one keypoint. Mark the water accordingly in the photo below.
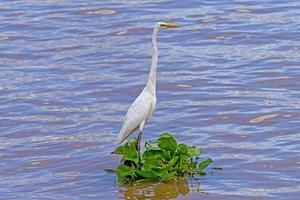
(228, 82)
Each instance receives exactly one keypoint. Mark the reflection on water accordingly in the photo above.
(170, 190)
(181, 189)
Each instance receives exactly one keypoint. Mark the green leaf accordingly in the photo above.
(182, 149)
(167, 142)
(125, 173)
(162, 160)
(171, 164)
(150, 164)
(184, 159)
(204, 164)
(152, 154)
(193, 152)
(193, 165)
(159, 171)
(183, 168)
(146, 174)
(167, 155)
(170, 176)
(118, 150)
(130, 152)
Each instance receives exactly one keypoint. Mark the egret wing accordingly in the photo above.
(139, 111)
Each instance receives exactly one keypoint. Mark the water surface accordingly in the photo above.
(228, 82)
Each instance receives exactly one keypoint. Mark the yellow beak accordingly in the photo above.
(170, 25)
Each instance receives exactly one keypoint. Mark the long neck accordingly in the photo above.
(151, 84)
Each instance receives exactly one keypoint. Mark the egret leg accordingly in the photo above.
(138, 142)
(138, 147)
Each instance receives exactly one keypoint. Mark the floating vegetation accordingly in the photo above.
(162, 160)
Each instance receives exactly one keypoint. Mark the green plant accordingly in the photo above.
(162, 160)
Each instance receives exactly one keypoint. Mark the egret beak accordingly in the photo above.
(170, 25)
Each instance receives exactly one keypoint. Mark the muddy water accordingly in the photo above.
(228, 82)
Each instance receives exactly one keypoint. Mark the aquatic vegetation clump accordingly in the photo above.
(162, 160)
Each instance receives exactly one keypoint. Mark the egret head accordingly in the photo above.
(167, 25)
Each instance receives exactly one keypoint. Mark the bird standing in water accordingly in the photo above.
(144, 105)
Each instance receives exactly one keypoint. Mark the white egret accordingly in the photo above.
(144, 105)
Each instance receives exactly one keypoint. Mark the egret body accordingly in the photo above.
(143, 107)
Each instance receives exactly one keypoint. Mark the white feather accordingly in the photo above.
(142, 108)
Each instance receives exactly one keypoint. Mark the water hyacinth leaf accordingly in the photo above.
(159, 171)
(170, 176)
(152, 154)
(171, 164)
(149, 165)
(183, 168)
(162, 160)
(184, 158)
(183, 163)
(118, 150)
(167, 142)
(125, 173)
(146, 174)
(193, 151)
(130, 152)
(182, 149)
(204, 164)
(167, 155)
(194, 165)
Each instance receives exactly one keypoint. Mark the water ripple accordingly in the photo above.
(227, 81)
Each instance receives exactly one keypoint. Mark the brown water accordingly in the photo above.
(227, 82)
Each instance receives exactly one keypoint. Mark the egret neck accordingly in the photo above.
(151, 84)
